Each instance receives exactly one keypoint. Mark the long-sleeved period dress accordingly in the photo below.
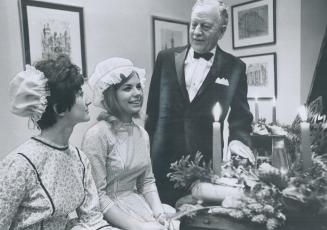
(121, 167)
(41, 184)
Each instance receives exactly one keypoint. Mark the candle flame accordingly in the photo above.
(216, 111)
(303, 113)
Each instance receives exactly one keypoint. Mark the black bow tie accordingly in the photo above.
(205, 56)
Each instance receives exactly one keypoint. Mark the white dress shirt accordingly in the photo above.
(196, 71)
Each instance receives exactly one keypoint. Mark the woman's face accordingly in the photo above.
(130, 98)
(79, 111)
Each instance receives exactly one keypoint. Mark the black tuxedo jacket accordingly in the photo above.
(179, 127)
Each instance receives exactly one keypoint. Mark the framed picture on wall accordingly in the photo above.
(253, 23)
(261, 75)
(52, 29)
(168, 33)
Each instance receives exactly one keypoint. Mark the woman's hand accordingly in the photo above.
(162, 219)
(152, 226)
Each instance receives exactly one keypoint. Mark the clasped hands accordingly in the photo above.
(161, 223)
(162, 219)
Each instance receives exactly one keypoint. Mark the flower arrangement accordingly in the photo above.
(259, 201)
(307, 189)
(273, 198)
(261, 206)
(269, 196)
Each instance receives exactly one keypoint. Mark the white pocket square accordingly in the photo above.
(222, 81)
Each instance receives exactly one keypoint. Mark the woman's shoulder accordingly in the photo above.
(78, 152)
(100, 128)
(102, 131)
(142, 130)
(25, 158)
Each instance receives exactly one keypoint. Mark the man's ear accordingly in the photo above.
(58, 111)
(222, 31)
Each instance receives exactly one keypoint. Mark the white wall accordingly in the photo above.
(112, 28)
(313, 24)
(123, 28)
(287, 48)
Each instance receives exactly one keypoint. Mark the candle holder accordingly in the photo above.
(279, 156)
(271, 149)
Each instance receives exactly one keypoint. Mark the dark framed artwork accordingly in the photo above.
(254, 23)
(319, 80)
(168, 33)
(52, 29)
(261, 72)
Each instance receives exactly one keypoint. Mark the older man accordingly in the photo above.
(186, 84)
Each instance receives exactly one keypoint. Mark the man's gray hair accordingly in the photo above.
(222, 11)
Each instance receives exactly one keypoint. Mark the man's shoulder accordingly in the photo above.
(230, 57)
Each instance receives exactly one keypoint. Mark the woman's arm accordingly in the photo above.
(124, 221)
(96, 145)
(146, 183)
(119, 218)
(89, 214)
(152, 198)
(14, 174)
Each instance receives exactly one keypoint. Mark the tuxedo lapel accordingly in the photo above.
(179, 64)
(214, 72)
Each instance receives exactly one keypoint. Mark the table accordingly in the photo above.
(205, 221)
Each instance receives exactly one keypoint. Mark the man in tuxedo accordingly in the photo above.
(186, 84)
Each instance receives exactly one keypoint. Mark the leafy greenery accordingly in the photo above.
(186, 171)
(308, 188)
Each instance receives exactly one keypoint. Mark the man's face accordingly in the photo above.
(204, 31)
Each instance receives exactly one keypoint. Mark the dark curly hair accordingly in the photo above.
(64, 81)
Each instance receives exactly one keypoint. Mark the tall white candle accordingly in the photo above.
(216, 141)
(256, 110)
(306, 155)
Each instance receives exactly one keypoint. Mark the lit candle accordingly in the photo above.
(305, 139)
(274, 120)
(256, 110)
(216, 141)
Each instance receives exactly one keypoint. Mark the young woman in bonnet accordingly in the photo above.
(45, 179)
(118, 149)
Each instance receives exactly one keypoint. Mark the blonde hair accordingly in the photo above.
(110, 102)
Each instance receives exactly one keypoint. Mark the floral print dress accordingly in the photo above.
(41, 184)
